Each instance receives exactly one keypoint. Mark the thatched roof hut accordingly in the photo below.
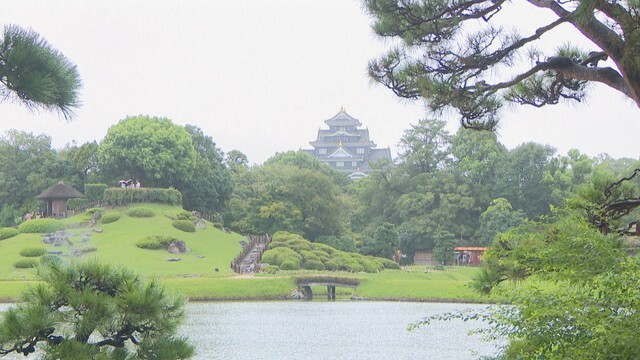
(56, 198)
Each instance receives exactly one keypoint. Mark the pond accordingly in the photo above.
(330, 330)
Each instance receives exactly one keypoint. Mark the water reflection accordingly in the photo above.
(329, 330)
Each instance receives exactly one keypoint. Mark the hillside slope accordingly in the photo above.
(116, 244)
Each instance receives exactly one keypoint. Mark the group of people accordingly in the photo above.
(28, 216)
(129, 184)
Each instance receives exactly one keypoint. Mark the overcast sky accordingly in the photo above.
(260, 76)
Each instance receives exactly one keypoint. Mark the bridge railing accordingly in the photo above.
(254, 241)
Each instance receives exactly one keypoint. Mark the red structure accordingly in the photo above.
(469, 255)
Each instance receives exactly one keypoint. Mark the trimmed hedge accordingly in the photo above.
(40, 226)
(8, 232)
(25, 263)
(110, 217)
(155, 242)
(33, 252)
(120, 196)
(94, 192)
(292, 252)
(184, 225)
(140, 212)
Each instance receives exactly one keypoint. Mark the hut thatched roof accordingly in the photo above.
(60, 191)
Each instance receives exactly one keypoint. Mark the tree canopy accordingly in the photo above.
(151, 149)
(455, 53)
(36, 74)
(94, 311)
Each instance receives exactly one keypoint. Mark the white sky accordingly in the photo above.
(260, 76)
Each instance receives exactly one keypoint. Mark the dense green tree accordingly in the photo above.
(275, 195)
(445, 244)
(236, 160)
(477, 159)
(36, 74)
(425, 147)
(151, 149)
(94, 311)
(522, 179)
(498, 218)
(28, 165)
(384, 243)
(210, 186)
(83, 158)
(455, 54)
(302, 160)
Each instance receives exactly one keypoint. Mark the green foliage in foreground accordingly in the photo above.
(292, 252)
(6, 233)
(89, 310)
(41, 226)
(592, 308)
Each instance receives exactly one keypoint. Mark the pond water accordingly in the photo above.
(330, 330)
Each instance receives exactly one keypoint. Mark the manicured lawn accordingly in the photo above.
(210, 248)
(195, 275)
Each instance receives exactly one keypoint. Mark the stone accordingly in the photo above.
(95, 218)
(178, 247)
(58, 238)
(173, 259)
(199, 224)
(98, 230)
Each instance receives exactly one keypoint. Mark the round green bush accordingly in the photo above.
(184, 225)
(290, 265)
(154, 242)
(110, 217)
(140, 212)
(284, 236)
(40, 226)
(218, 225)
(313, 265)
(25, 263)
(8, 232)
(322, 247)
(275, 244)
(185, 215)
(270, 269)
(368, 265)
(33, 252)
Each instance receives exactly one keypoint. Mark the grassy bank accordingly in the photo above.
(410, 284)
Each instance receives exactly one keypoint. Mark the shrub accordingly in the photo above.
(218, 225)
(25, 263)
(322, 247)
(110, 217)
(140, 212)
(275, 244)
(154, 242)
(120, 196)
(387, 263)
(270, 269)
(184, 225)
(284, 236)
(368, 265)
(33, 252)
(185, 215)
(7, 232)
(280, 254)
(40, 226)
(313, 265)
(290, 265)
(299, 244)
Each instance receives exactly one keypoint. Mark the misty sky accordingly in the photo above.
(261, 76)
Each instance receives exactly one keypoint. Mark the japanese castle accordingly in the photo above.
(346, 147)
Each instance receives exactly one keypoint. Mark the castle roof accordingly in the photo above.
(343, 119)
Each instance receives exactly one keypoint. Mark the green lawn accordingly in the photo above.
(210, 248)
(194, 276)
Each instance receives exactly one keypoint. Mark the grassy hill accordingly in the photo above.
(194, 276)
(210, 247)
